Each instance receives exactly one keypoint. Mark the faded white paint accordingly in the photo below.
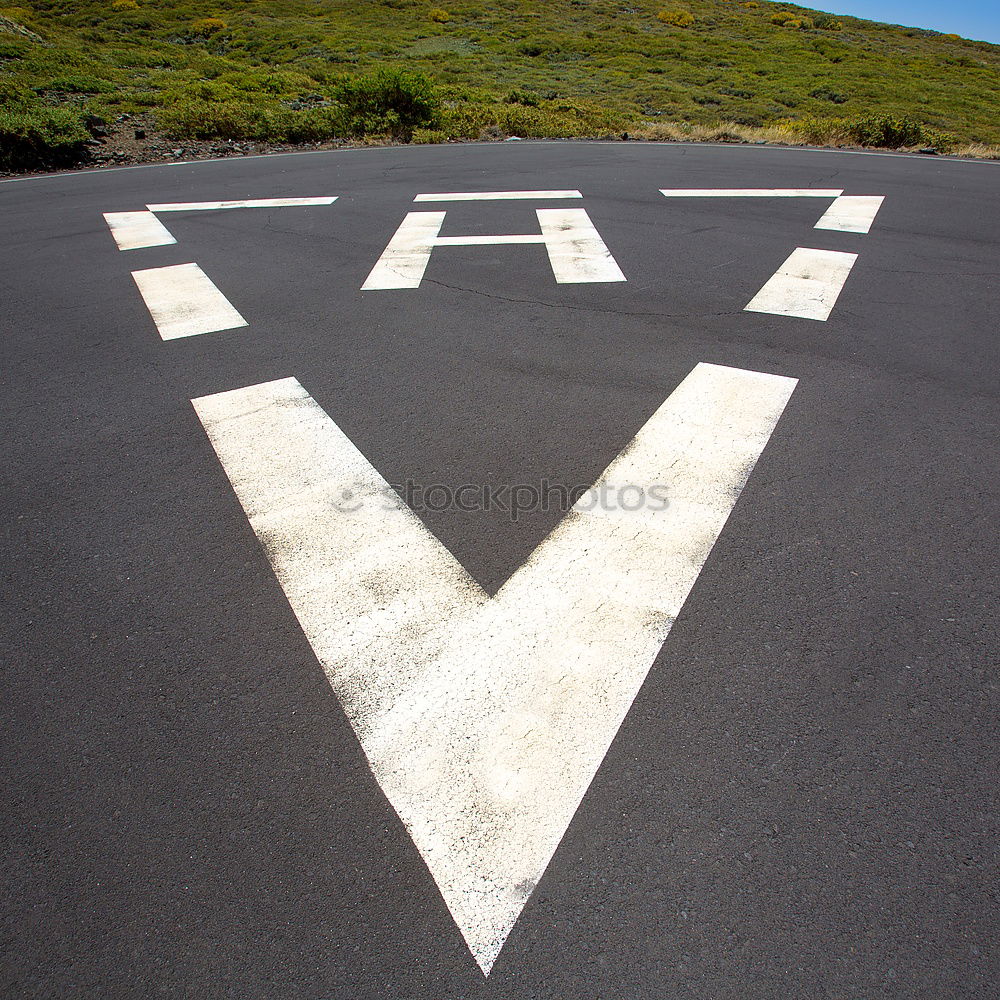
(484, 720)
(137, 230)
(852, 213)
(751, 192)
(576, 251)
(184, 302)
(214, 206)
(807, 285)
(498, 196)
(405, 259)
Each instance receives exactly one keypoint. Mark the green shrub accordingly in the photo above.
(678, 18)
(878, 130)
(499, 120)
(428, 136)
(886, 131)
(524, 97)
(825, 94)
(536, 49)
(76, 85)
(205, 27)
(827, 22)
(388, 101)
(200, 119)
(15, 96)
(40, 137)
(438, 15)
(206, 91)
(12, 47)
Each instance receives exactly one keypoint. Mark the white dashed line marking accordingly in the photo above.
(498, 196)
(750, 192)
(214, 206)
(184, 302)
(807, 285)
(137, 230)
(852, 213)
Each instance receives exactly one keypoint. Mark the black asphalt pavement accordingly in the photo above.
(803, 800)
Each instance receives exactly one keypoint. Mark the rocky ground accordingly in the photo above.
(134, 139)
(130, 140)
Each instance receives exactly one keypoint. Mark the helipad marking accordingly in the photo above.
(807, 285)
(137, 230)
(498, 196)
(852, 213)
(184, 302)
(214, 206)
(576, 251)
(751, 192)
(488, 241)
(485, 719)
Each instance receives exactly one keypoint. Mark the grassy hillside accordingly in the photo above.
(282, 70)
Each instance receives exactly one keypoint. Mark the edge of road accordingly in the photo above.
(89, 171)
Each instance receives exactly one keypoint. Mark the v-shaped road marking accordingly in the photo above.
(485, 719)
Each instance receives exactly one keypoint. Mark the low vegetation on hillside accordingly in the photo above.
(295, 71)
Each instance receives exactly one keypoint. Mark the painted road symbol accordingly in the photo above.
(184, 302)
(577, 254)
(484, 719)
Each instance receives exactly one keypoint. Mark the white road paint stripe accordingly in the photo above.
(750, 192)
(498, 196)
(405, 259)
(213, 206)
(487, 241)
(136, 230)
(484, 720)
(576, 251)
(807, 285)
(184, 302)
(852, 213)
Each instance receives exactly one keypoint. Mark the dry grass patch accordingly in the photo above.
(979, 151)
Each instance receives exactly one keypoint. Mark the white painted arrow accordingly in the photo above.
(485, 719)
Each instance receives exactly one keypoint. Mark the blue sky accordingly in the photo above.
(978, 19)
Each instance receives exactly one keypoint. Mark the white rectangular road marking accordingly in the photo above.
(485, 719)
(405, 259)
(136, 230)
(184, 302)
(213, 206)
(576, 251)
(852, 213)
(751, 192)
(498, 196)
(488, 241)
(807, 285)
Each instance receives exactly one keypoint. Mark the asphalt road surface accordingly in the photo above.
(268, 733)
